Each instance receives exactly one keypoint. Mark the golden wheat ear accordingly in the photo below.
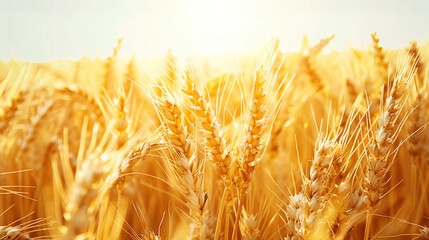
(111, 74)
(381, 60)
(187, 167)
(377, 165)
(417, 62)
(307, 63)
(125, 166)
(305, 207)
(10, 109)
(215, 143)
(253, 145)
(13, 233)
(424, 233)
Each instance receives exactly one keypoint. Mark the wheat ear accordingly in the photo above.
(121, 121)
(31, 130)
(249, 227)
(80, 210)
(15, 233)
(307, 61)
(305, 207)
(416, 146)
(10, 110)
(185, 163)
(125, 166)
(82, 96)
(416, 60)
(253, 145)
(424, 233)
(380, 58)
(111, 74)
(377, 166)
(149, 235)
(211, 130)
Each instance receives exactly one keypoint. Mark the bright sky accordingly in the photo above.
(42, 30)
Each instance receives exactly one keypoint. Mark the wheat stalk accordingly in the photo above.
(80, 211)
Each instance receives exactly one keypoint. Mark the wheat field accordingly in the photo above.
(262, 145)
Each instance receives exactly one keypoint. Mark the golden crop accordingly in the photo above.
(280, 145)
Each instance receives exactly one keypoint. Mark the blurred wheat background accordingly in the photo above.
(229, 134)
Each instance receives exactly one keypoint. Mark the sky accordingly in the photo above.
(44, 30)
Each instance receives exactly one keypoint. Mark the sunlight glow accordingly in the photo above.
(214, 20)
(50, 29)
